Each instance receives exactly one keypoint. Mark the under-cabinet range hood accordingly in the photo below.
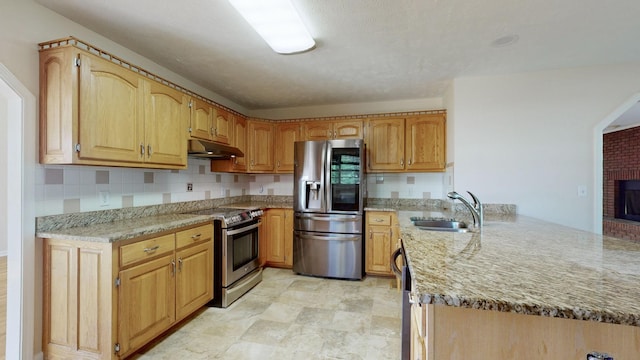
(207, 149)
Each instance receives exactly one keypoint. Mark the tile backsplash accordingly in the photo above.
(63, 189)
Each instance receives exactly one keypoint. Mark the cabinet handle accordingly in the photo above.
(151, 249)
(278, 163)
(334, 134)
(212, 130)
(251, 162)
(141, 149)
(149, 150)
(378, 220)
(196, 236)
(402, 162)
(179, 264)
(370, 235)
(409, 161)
(173, 267)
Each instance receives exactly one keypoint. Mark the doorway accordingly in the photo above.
(18, 137)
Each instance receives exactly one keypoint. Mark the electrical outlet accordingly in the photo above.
(104, 198)
(189, 187)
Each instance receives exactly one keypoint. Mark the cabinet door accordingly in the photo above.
(288, 238)
(111, 114)
(385, 144)
(260, 138)
(378, 246)
(275, 236)
(318, 130)
(166, 123)
(425, 142)
(348, 130)
(222, 126)
(286, 135)
(202, 114)
(146, 302)
(240, 141)
(194, 280)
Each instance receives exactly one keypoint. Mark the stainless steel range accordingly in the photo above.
(235, 251)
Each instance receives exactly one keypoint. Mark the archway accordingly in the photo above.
(597, 156)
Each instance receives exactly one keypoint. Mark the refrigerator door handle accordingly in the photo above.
(342, 218)
(335, 237)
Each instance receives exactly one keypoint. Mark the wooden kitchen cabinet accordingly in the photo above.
(94, 111)
(286, 135)
(146, 302)
(330, 130)
(382, 232)
(106, 300)
(425, 143)
(222, 126)
(278, 224)
(411, 144)
(385, 144)
(260, 137)
(202, 115)
(238, 140)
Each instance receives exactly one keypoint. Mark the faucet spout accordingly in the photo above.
(475, 208)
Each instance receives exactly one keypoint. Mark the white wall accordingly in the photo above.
(3, 172)
(528, 138)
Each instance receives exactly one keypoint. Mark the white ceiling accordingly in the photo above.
(367, 50)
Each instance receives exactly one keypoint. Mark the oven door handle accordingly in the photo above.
(244, 229)
(341, 218)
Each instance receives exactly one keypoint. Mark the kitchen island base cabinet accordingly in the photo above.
(381, 241)
(448, 332)
(107, 300)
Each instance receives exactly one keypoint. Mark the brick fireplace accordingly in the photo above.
(621, 166)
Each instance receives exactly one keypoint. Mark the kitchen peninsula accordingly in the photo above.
(551, 291)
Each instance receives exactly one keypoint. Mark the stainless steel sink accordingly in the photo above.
(440, 225)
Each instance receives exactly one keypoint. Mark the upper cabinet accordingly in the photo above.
(286, 135)
(94, 111)
(222, 126)
(260, 137)
(414, 143)
(329, 130)
(202, 115)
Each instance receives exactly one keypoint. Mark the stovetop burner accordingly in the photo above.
(231, 216)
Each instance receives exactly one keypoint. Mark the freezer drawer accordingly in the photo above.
(328, 255)
(329, 223)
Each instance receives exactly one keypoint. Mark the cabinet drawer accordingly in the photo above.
(146, 249)
(195, 235)
(379, 219)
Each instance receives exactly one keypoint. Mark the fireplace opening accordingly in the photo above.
(628, 200)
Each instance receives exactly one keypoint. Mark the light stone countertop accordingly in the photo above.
(261, 205)
(126, 229)
(528, 266)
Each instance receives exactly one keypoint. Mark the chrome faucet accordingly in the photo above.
(476, 208)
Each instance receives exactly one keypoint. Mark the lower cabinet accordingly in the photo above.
(105, 301)
(381, 231)
(278, 224)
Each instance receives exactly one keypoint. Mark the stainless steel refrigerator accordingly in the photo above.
(328, 190)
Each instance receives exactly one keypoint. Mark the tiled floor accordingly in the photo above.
(288, 316)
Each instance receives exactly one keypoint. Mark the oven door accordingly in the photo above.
(240, 252)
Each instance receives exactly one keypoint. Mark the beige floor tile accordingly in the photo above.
(288, 316)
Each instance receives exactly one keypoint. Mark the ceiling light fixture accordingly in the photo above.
(278, 22)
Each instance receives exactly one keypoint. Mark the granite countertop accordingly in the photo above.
(125, 229)
(528, 266)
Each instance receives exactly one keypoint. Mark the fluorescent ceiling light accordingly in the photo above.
(278, 22)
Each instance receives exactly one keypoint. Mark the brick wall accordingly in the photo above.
(621, 161)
